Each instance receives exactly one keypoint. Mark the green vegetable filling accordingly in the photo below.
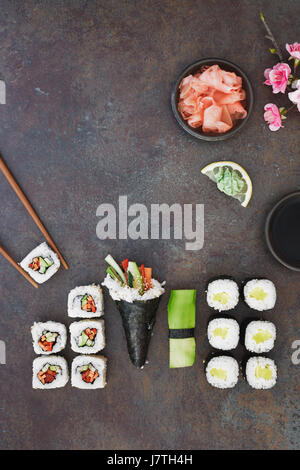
(219, 373)
(221, 297)
(258, 293)
(263, 372)
(222, 332)
(261, 336)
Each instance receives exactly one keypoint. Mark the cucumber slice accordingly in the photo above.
(90, 343)
(42, 269)
(83, 300)
(51, 337)
(83, 368)
(109, 259)
(82, 339)
(130, 279)
(54, 368)
(137, 277)
(48, 262)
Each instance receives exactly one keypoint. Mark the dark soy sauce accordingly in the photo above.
(285, 232)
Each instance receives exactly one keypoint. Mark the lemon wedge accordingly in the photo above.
(232, 179)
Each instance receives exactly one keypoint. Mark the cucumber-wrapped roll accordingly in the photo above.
(181, 320)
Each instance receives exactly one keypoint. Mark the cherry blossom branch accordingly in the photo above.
(271, 38)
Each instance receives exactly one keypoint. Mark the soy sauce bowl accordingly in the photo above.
(282, 231)
(196, 68)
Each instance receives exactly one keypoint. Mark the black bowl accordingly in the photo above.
(195, 68)
(282, 231)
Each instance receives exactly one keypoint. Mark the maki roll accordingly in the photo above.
(223, 333)
(260, 294)
(89, 372)
(261, 372)
(260, 336)
(87, 336)
(85, 302)
(137, 297)
(48, 337)
(49, 372)
(222, 372)
(41, 263)
(222, 294)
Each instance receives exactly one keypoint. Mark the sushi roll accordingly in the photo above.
(260, 336)
(41, 263)
(223, 333)
(89, 372)
(85, 302)
(48, 337)
(87, 336)
(222, 294)
(137, 296)
(261, 372)
(222, 372)
(260, 294)
(49, 372)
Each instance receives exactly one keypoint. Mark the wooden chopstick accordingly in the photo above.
(8, 175)
(15, 265)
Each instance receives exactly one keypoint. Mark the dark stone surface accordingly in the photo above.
(87, 119)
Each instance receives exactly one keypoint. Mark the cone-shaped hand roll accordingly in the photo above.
(181, 319)
(138, 319)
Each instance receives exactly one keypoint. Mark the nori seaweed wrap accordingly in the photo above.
(137, 296)
(138, 320)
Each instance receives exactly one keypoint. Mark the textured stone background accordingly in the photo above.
(87, 119)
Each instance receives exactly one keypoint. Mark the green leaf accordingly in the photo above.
(229, 181)
(262, 17)
(272, 50)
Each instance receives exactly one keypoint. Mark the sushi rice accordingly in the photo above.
(76, 297)
(260, 336)
(260, 294)
(42, 364)
(261, 372)
(54, 331)
(222, 372)
(51, 265)
(223, 333)
(130, 294)
(96, 363)
(222, 294)
(77, 332)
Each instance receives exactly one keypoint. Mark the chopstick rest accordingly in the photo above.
(181, 321)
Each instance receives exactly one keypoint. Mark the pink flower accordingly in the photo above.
(294, 96)
(273, 117)
(278, 77)
(294, 50)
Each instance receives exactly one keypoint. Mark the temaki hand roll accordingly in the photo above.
(137, 297)
(181, 320)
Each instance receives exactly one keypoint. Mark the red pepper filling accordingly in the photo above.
(47, 377)
(89, 376)
(91, 333)
(46, 345)
(35, 265)
(89, 305)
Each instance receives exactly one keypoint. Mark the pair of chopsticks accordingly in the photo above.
(35, 218)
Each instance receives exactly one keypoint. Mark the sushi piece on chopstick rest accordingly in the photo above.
(137, 296)
(181, 320)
